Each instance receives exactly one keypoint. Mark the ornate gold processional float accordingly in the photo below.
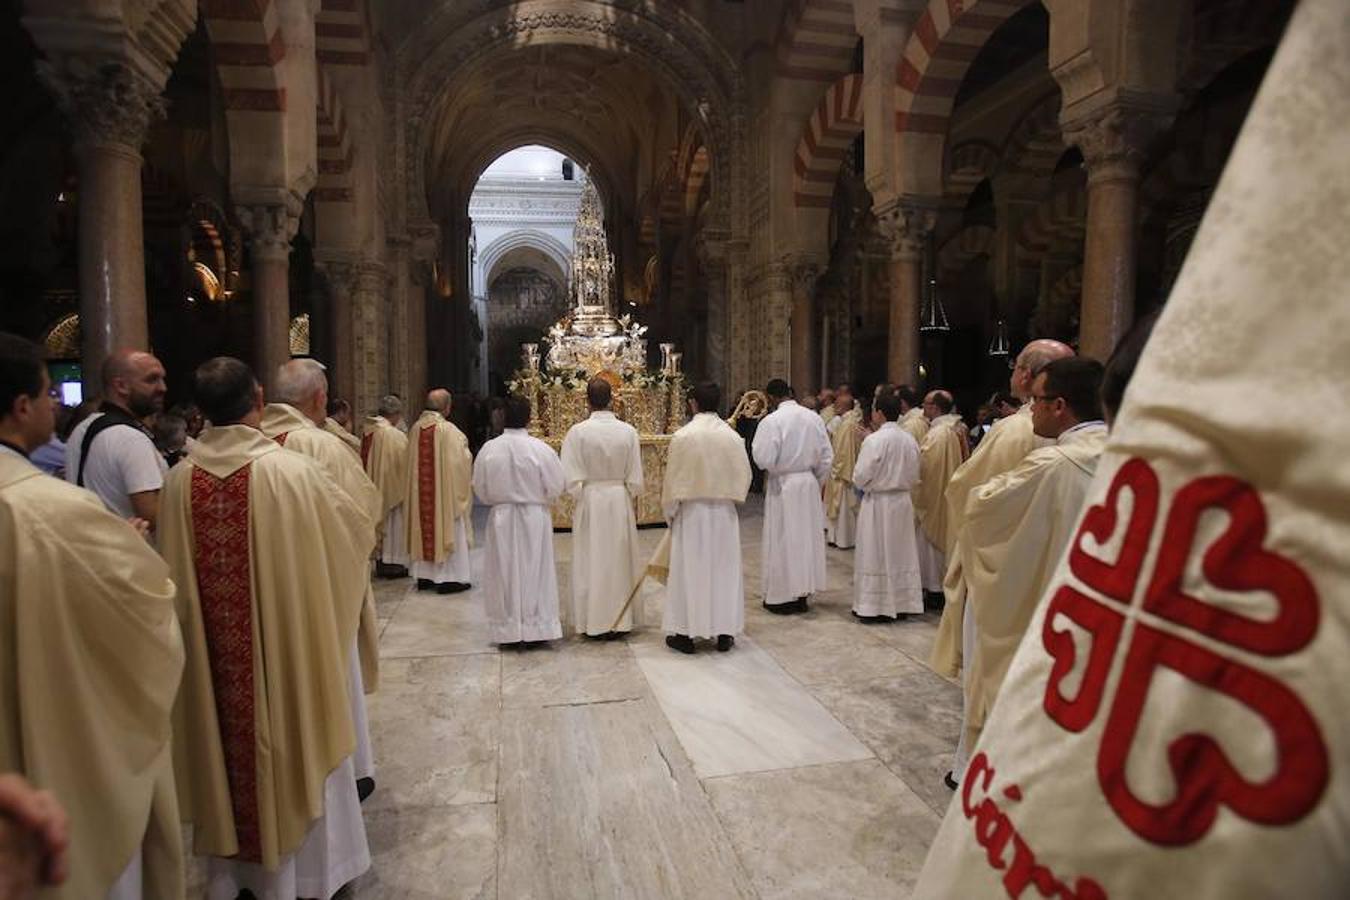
(589, 342)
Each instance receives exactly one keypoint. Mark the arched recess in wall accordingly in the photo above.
(497, 256)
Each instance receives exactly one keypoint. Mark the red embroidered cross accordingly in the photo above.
(1237, 562)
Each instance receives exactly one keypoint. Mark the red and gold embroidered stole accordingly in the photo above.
(221, 558)
(366, 440)
(426, 490)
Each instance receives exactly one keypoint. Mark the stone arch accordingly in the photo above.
(62, 339)
(490, 146)
(944, 42)
(830, 129)
(342, 33)
(816, 39)
(551, 248)
(965, 245)
(247, 44)
(1058, 220)
(1036, 142)
(678, 48)
(695, 182)
(335, 148)
(968, 164)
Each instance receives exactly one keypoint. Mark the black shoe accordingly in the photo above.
(533, 645)
(681, 642)
(452, 587)
(798, 606)
(781, 609)
(934, 600)
(511, 645)
(951, 783)
(725, 642)
(607, 636)
(425, 584)
(364, 788)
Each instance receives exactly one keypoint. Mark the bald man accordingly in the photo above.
(439, 499)
(295, 421)
(941, 451)
(112, 453)
(1008, 442)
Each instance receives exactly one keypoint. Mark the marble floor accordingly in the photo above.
(806, 762)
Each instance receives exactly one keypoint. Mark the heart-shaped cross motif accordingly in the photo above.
(1117, 580)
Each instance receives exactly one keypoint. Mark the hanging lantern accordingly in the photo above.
(933, 318)
(999, 345)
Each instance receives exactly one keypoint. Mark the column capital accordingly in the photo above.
(801, 271)
(270, 227)
(107, 103)
(1114, 139)
(906, 226)
(341, 271)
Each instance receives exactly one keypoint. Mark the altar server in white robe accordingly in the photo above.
(941, 451)
(793, 448)
(602, 462)
(1017, 525)
(439, 499)
(1173, 724)
(886, 582)
(707, 475)
(520, 477)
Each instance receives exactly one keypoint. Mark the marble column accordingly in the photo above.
(712, 255)
(270, 229)
(370, 355)
(805, 336)
(907, 228)
(109, 108)
(341, 275)
(1113, 141)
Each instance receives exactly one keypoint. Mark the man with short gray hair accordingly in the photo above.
(384, 452)
(439, 499)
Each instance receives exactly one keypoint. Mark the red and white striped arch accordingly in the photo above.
(944, 42)
(247, 44)
(968, 164)
(1059, 219)
(832, 127)
(1036, 142)
(342, 33)
(816, 39)
(335, 149)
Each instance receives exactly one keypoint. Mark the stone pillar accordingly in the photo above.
(370, 352)
(907, 227)
(736, 358)
(109, 108)
(1113, 141)
(805, 331)
(712, 257)
(270, 229)
(341, 275)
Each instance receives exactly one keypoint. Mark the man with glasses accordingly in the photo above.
(1007, 443)
(1017, 524)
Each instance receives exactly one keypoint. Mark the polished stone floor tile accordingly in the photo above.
(911, 723)
(843, 830)
(741, 712)
(445, 853)
(574, 670)
(599, 801)
(831, 650)
(429, 624)
(434, 726)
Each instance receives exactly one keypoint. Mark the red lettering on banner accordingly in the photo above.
(1236, 561)
(996, 833)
